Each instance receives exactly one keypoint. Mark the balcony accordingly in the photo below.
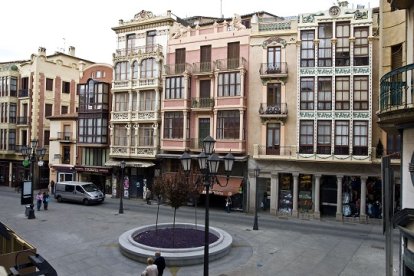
(23, 120)
(174, 144)
(177, 69)
(146, 82)
(65, 136)
(268, 112)
(143, 51)
(323, 154)
(273, 70)
(202, 103)
(396, 98)
(231, 64)
(133, 151)
(24, 93)
(203, 68)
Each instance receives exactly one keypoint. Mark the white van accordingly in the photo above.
(85, 192)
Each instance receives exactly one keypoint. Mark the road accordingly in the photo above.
(83, 240)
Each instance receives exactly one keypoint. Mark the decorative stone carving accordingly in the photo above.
(273, 41)
(236, 23)
(143, 15)
(178, 30)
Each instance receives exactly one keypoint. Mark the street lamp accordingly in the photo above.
(208, 162)
(256, 175)
(121, 204)
(33, 154)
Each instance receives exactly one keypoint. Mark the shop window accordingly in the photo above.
(305, 193)
(285, 193)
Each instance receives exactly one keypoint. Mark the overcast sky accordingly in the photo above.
(86, 25)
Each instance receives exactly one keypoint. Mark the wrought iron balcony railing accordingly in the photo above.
(24, 93)
(231, 64)
(275, 109)
(177, 69)
(273, 68)
(203, 67)
(202, 102)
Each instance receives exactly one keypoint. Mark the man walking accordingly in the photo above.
(159, 262)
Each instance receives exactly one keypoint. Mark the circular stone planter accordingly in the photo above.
(175, 256)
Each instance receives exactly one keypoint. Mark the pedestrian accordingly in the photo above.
(46, 199)
(52, 187)
(159, 262)
(148, 198)
(39, 199)
(151, 269)
(228, 204)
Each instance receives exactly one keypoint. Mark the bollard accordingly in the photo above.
(31, 212)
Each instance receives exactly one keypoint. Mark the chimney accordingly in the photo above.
(71, 51)
(41, 51)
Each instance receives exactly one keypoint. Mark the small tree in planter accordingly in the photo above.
(158, 189)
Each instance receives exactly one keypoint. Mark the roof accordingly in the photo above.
(71, 116)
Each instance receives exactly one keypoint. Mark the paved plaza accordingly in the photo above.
(83, 240)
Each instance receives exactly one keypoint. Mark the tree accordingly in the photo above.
(158, 190)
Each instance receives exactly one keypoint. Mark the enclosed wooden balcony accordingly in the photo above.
(396, 98)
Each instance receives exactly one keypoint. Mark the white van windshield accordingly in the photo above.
(90, 187)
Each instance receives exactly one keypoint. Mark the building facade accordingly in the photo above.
(396, 113)
(320, 159)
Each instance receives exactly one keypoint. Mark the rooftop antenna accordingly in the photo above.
(221, 9)
(64, 45)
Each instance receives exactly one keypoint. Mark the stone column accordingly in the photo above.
(316, 211)
(295, 212)
(339, 198)
(274, 193)
(363, 202)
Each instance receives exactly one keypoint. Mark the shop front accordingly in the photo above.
(100, 176)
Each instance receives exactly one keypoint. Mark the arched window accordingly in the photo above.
(122, 70)
(149, 68)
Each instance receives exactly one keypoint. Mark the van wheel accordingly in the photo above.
(59, 199)
(85, 202)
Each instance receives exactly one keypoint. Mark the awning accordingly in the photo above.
(232, 187)
(132, 164)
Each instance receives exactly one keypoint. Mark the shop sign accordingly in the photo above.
(92, 170)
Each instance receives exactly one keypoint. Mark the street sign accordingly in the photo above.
(26, 163)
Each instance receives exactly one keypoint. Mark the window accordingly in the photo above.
(306, 137)
(205, 58)
(149, 69)
(98, 74)
(342, 44)
(122, 70)
(324, 93)
(93, 129)
(146, 135)
(361, 93)
(4, 87)
(273, 60)
(228, 124)
(233, 55)
(324, 137)
(273, 139)
(173, 125)
(121, 101)
(307, 49)
(120, 135)
(360, 138)
(147, 101)
(325, 45)
(150, 42)
(342, 93)
(135, 66)
(12, 139)
(229, 84)
(66, 155)
(13, 113)
(131, 39)
(65, 87)
(13, 86)
(306, 93)
(46, 137)
(48, 110)
(64, 109)
(94, 156)
(394, 145)
(341, 137)
(361, 46)
(49, 84)
(174, 87)
(273, 98)
(179, 61)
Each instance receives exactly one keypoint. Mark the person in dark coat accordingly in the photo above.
(45, 200)
(159, 262)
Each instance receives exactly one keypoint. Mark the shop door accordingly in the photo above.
(328, 195)
(203, 130)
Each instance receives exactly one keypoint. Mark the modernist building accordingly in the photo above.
(396, 111)
(136, 97)
(320, 159)
(46, 86)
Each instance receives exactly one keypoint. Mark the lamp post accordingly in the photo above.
(256, 175)
(121, 203)
(33, 154)
(208, 162)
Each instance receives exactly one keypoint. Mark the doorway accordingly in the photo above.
(328, 195)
